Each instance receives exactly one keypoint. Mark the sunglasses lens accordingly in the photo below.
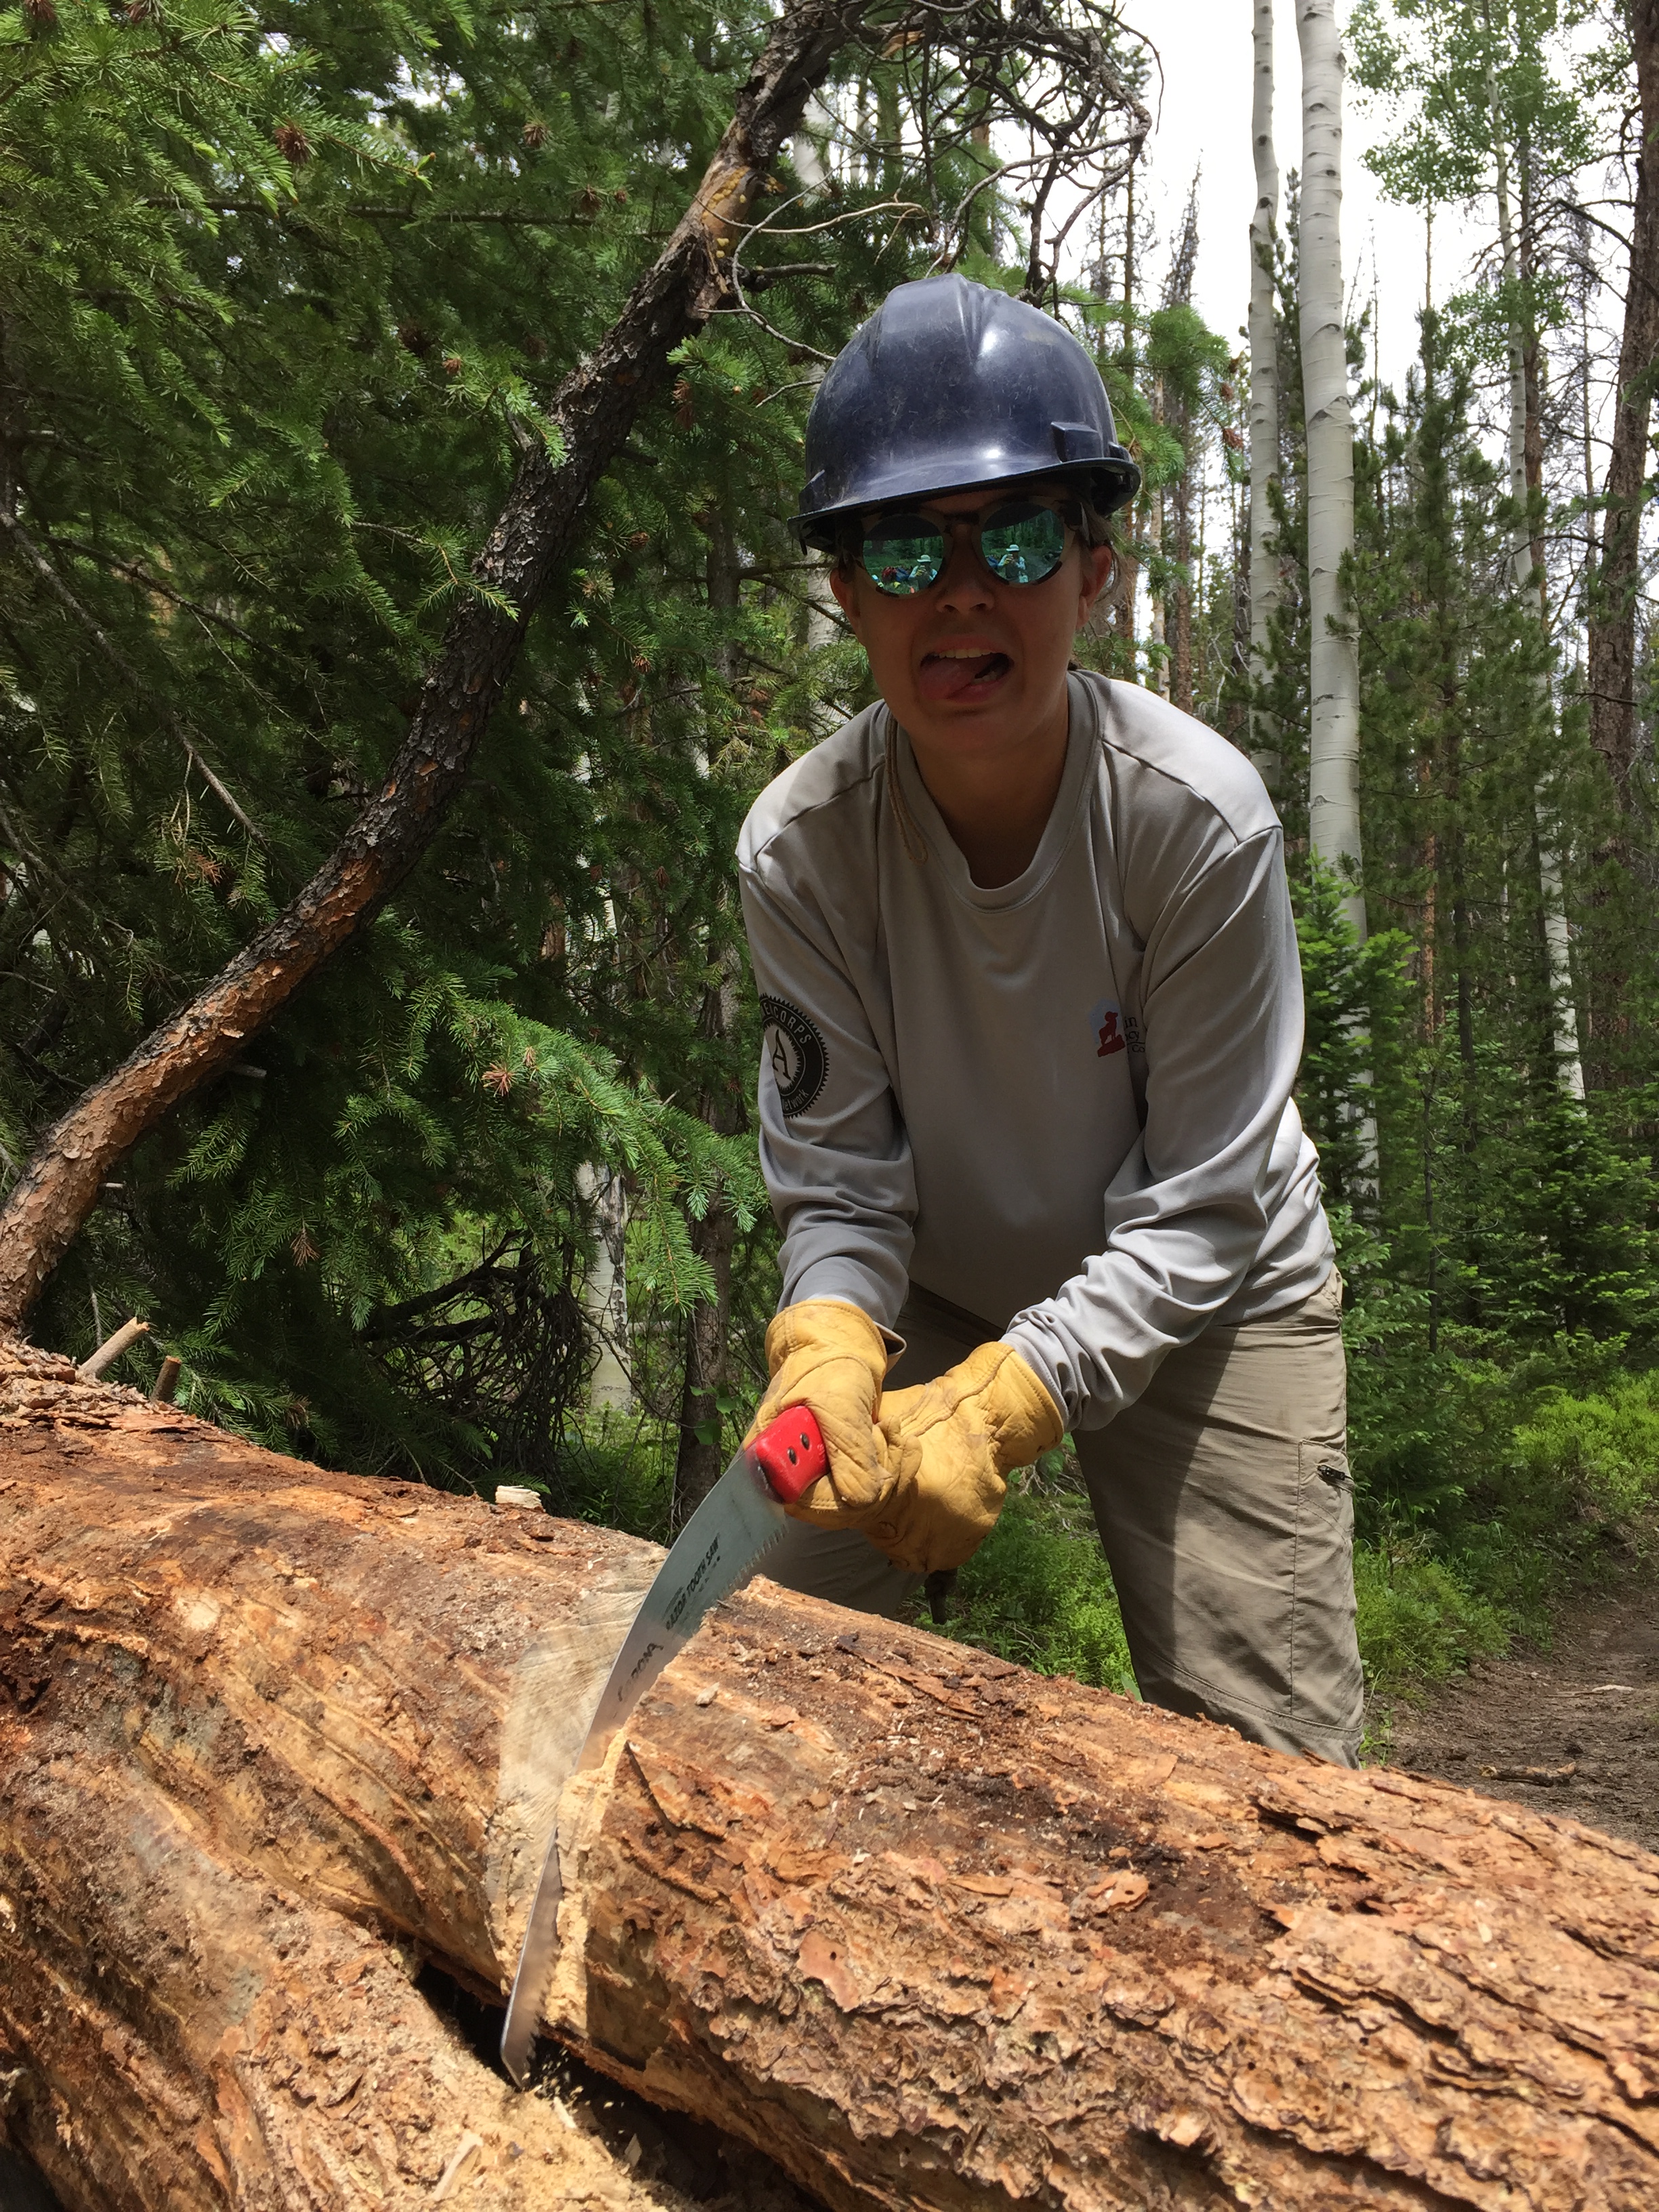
(1023, 544)
(903, 554)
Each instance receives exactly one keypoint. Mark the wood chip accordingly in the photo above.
(1120, 1892)
(449, 2180)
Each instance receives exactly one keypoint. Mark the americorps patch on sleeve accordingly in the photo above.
(796, 1054)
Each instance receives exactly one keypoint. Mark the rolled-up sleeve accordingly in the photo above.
(833, 1146)
(1186, 1214)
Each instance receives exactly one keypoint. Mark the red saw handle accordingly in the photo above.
(790, 1454)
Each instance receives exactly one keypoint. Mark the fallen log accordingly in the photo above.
(928, 1931)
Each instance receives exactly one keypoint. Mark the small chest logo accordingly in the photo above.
(795, 1052)
(1112, 1029)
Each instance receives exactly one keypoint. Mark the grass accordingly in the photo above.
(1039, 1590)
(1418, 1622)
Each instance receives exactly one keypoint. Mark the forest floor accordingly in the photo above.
(1572, 1727)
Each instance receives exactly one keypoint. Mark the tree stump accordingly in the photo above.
(928, 1931)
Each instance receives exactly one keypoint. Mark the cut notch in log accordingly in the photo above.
(929, 1930)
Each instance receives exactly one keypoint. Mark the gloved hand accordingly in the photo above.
(950, 1445)
(829, 1356)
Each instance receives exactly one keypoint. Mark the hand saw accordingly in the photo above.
(715, 1552)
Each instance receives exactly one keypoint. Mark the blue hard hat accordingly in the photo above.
(950, 385)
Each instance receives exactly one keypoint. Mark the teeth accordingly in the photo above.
(975, 652)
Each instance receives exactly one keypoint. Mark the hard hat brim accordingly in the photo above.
(1112, 480)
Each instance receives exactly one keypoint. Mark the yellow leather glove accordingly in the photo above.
(832, 1358)
(951, 1444)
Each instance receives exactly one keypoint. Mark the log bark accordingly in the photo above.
(242, 1713)
(930, 1931)
(589, 422)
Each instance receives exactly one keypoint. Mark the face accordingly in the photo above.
(972, 665)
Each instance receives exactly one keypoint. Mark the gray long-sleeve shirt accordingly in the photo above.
(1065, 1104)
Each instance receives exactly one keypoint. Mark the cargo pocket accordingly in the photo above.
(1327, 1687)
(1327, 1465)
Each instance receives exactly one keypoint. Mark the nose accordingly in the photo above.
(966, 582)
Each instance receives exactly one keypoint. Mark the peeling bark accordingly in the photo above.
(589, 420)
(930, 1931)
(952, 1936)
(259, 1755)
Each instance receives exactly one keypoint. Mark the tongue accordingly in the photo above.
(942, 679)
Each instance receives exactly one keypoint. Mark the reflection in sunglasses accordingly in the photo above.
(1020, 542)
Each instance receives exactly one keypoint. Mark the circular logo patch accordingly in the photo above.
(796, 1052)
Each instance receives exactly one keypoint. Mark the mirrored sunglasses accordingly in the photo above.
(1019, 542)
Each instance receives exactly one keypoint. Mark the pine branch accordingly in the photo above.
(117, 661)
(588, 425)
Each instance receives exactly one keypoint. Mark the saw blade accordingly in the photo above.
(715, 1552)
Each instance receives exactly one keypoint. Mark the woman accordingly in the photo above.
(1034, 1013)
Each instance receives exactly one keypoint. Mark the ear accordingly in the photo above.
(845, 585)
(1098, 564)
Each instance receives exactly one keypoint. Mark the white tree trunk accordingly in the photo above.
(1157, 655)
(1334, 656)
(1570, 1068)
(604, 1288)
(1266, 580)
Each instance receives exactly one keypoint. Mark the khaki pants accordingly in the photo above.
(1223, 1500)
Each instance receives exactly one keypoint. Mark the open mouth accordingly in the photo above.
(965, 676)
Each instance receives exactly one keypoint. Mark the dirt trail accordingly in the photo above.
(1574, 1730)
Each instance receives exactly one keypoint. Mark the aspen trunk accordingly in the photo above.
(1187, 584)
(605, 1287)
(1526, 567)
(931, 1932)
(1334, 828)
(1334, 651)
(1265, 582)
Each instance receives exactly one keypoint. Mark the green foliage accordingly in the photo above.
(1355, 996)
(1470, 70)
(618, 1471)
(281, 289)
(1418, 1620)
(1597, 1457)
(1039, 1590)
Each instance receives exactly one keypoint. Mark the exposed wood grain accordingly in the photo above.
(268, 1738)
(929, 1931)
(950, 1936)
